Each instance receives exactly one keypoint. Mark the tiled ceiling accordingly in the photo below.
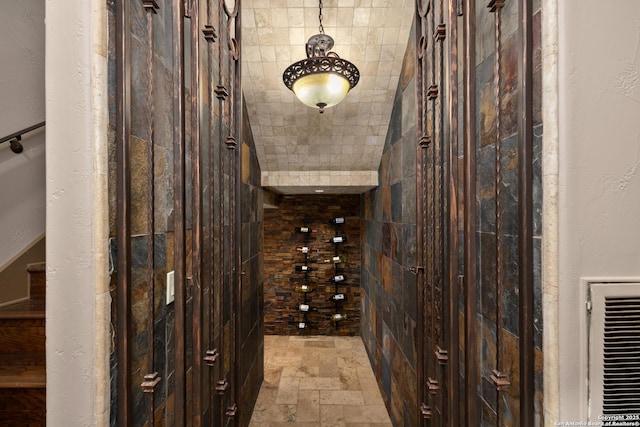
(299, 149)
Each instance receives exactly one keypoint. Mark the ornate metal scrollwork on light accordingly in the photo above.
(323, 79)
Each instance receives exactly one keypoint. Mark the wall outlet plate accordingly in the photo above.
(171, 288)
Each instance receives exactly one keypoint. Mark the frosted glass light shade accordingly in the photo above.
(321, 89)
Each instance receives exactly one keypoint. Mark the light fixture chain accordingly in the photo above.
(321, 28)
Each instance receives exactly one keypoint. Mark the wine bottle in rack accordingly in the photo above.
(338, 316)
(338, 278)
(304, 268)
(337, 220)
(337, 239)
(305, 230)
(306, 250)
(306, 308)
(336, 259)
(338, 297)
(304, 288)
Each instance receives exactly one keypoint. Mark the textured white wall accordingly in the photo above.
(77, 226)
(22, 193)
(599, 168)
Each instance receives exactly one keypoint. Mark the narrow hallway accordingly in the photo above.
(323, 381)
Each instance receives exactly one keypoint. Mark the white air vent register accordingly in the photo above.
(614, 350)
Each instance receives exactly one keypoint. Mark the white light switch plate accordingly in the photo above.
(171, 289)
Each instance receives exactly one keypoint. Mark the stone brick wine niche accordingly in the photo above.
(312, 265)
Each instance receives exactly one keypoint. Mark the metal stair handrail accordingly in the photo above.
(15, 138)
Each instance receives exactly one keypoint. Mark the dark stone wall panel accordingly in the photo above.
(389, 250)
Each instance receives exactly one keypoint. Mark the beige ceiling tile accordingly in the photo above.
(280, 17)
(265, 36)
(359, 36)
(248, 22)
(280, 37)
(270, 68)
(249, 37)
(344, 17)
(382, 82)
(296, 17)
(262, 17)
(267, 53)
(396, 19)
(342, 37)
(364, 109)
(329, 15)
(253, 69)
(344, 52)
(381, 96)
(362, 3)
(400, 4)
(291, 149)
(375, 35)
(270, 150)
(390, 36)
(272, 87)
(361, 17)
(311, 19)
(389, 53)
(287, 98)
(282, 158)
(376, 119)
(372, 141)
(360, 130)
(370, 149)
(274, 4)
(385, 68)
(297, 36)
(362, 120)
(251, 53)
(263, 106)
(372, 53)
(337, 179)
(277, 120)
(378, 18)
(393, 83)
(295, 3)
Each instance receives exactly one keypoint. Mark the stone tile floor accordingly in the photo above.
(321, 381)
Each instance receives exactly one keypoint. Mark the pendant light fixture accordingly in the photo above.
(323, 79)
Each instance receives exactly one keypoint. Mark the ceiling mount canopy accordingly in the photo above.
(323, 79)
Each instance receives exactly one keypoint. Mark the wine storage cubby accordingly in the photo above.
(285, 287)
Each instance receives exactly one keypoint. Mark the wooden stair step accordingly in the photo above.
(23, 370)
(22, 335)
(24, 407)
(23, 376)
(28, 309)
(37, 280)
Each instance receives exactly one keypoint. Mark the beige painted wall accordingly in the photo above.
(599, 170)
(22, 193)
(78, 302)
